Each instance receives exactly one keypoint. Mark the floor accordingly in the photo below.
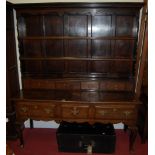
(43, 142)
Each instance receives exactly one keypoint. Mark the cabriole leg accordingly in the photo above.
(133, 134)
(31, 123)
(20, 128)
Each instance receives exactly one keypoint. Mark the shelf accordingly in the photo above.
(78, 76)
(77, 37)
(78, 59)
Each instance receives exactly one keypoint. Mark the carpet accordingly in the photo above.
(40, 141)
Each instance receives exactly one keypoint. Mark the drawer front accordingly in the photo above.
(75, 111)
(116, 86)
(68, 85)
(35, 109)
(38, 84)
(90, 85)
(22, 109)
(42, 110)
(115, 113)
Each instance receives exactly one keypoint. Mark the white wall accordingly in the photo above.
(52, 124)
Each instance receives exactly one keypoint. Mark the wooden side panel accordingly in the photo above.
(12, 81)
(10, 47)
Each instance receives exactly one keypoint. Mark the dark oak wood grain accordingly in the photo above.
(12, 81)
(78, 62)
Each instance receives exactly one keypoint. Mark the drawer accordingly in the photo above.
(90, 85)
(42, 110)
(75, 111)
(114, 113)
(116, 86)
(67, 85)
(22, 109)
(38, 84)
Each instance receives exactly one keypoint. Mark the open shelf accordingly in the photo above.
(77, 37)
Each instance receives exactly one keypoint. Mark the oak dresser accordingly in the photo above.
(79, 63)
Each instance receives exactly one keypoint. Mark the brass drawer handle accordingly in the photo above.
(75, 111)
(24, 109)
(127, 113)
(103, 112)
(35, 107)
(47, 111)
(114, 109)
(116, 87)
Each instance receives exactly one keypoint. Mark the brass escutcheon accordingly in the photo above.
(127, 113)
(24, 109)
(75, 111)
(47, 110)
(103, 112)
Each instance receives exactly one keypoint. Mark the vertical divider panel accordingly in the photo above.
(65, 41)
(113, 42)
(89, 41)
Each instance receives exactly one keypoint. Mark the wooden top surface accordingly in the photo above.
(77, 96)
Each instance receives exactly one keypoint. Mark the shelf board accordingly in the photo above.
(77, 59)
(77, 38)
(78, 76)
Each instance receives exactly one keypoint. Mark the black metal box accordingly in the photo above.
(83, 137)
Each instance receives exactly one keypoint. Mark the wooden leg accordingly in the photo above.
(125, 127)
(132, 138)
(145, 130)
(31, 123)
(20, 127)
(21, 139)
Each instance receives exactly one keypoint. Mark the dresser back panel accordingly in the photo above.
(74, 42)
